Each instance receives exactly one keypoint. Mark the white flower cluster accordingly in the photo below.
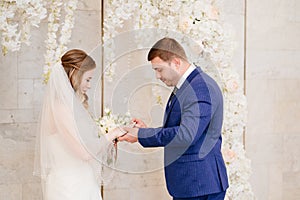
(56, 45)
(16, 20)
(109, 121)
(115, 16)
(200, 21)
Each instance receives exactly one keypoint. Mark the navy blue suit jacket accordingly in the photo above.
(191, 137)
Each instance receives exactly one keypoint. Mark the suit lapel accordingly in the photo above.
(179, 93)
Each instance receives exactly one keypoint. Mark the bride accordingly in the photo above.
(69, 153)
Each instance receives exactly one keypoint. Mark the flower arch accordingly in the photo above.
(199, 20)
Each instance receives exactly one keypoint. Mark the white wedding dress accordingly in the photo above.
(70, 178)
(69, 154)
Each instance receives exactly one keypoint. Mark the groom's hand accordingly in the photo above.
(131, 135)
(139, 123)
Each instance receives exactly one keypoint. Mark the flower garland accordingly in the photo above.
(54, 46)
(199, 20)
(115, 15)
(17, 17)
(16, 20)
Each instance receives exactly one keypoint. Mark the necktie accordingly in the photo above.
(172, 96)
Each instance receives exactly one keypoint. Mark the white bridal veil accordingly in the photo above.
(64, 118)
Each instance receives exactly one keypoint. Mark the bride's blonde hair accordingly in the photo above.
(76, 62)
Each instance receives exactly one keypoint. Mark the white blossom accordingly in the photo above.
(55, 45)
(109, 121)
(16, 19)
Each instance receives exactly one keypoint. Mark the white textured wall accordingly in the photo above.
(272, 81)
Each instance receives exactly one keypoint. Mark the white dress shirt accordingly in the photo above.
(185, 75)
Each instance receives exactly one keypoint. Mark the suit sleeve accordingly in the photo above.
(195, 118)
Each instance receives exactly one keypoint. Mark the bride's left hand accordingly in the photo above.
(115, 133)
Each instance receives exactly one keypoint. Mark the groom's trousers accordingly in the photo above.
(215, 196)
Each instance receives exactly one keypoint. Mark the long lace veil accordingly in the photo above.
(64, 116)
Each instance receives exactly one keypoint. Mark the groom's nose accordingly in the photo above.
(158, 76)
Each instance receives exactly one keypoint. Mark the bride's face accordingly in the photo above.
(85, 84)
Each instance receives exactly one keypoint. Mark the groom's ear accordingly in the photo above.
(177, 61)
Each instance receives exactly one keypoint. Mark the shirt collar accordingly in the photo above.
(185, 75)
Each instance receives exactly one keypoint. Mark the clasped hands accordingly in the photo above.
(127, 133)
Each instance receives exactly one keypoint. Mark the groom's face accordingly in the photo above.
(167, 72)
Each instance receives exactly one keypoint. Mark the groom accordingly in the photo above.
(191, 132)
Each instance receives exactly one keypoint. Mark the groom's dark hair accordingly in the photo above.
(166, 49)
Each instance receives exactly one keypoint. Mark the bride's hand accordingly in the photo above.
(115, 133)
